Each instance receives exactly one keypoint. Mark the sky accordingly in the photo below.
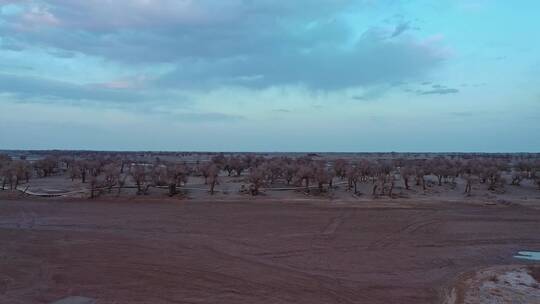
(267, 75)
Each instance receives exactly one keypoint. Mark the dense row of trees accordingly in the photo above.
(103, 173)
(14, 172)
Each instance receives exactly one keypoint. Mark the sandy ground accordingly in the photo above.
(497, 285)
(253, 251)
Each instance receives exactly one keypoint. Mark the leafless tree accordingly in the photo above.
(420, 174)
(177, 174)
(228, 166)
(323, 176)
(257, 178)
(47, 166)
(493, 177)
(205, 169)
(523, 170)
(212, 177)
(536, 178)
(14, 172)
(518, 177)
(95, 184)
(219, 160)
(406, 172)
(340, 168)
(469, 181)
(74, 171)
(525, 167)
(112, 175)
(391, 182)
(305, 174)
(139, 173)
(121, 182)
(4, 161)
(275, 169)
(353, 173)
(83, 167)
(289, 172)
(239, 166)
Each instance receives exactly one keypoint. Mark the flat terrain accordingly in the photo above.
(252, 251)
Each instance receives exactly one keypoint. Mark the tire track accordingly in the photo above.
(420, 223)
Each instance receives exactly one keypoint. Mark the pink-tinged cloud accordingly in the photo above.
(117, 85)
(110, 15)
(39, 16)
(435, 45)
(237, 42)
(136, 82)
(104, 15)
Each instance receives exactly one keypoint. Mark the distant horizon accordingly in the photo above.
(263, 152)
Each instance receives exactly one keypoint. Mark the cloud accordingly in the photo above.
(106, 15)
(206, 117)
(400, 29)
(178, 115)
(210, 43)
(371, 60)
(128, 83)
(439, 91)
(282, 111)
(359, 97)
(463, 114)
(169, 30)
(28, 87)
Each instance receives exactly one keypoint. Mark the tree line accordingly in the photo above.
(108, 173)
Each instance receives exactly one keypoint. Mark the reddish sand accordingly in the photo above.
(252, 251)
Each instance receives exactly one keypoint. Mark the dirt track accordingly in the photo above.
(251, 252)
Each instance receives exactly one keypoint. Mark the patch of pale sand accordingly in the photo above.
(501, 286)
(75, 300)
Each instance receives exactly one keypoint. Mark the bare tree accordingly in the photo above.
(74, 171)
(275, 169)
(238, 165)
(139, 173)
(112, 175)
(340, 168)
(219, 160)
(83, 167)
(289, 172)
(205, 169)
(94, 186)
(213, 177)
(5, 172)
(391, 182)
(229, 166)
(22, 171)
(257, 178)
(14, 172)
(536, 178)
(420, 174)
(46, 167)
(469, 181)
(177, 174)
(121, 182)
(518, 177)
(305, 174)
(353, 173)
(406, 172)
(493, 177)
(323, 176)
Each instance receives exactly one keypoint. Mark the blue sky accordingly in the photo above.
(262, 75)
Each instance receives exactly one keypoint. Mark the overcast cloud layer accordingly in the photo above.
(325, 75)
